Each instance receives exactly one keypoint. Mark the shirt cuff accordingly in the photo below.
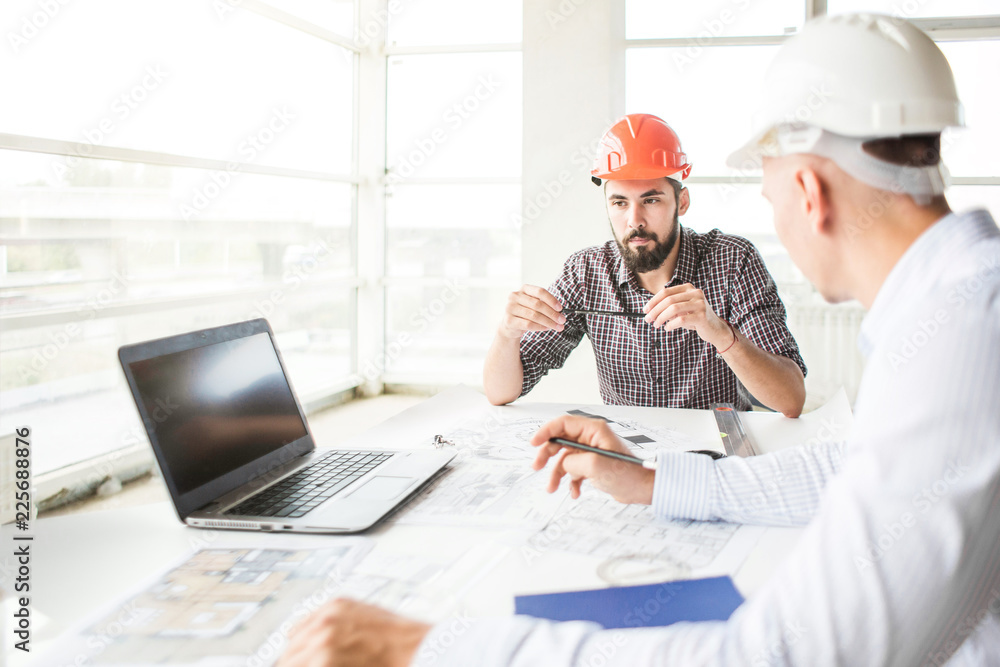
(684, 486)
(462, 641)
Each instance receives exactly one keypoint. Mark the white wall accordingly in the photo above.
(574, 89)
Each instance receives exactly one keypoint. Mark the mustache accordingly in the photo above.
(641, 234)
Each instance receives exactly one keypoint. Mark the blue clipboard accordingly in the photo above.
(712, 599)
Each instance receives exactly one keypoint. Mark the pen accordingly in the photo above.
(619, 313)
(651, 464)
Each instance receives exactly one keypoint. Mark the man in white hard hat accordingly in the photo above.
(899, 563)
(676, 318)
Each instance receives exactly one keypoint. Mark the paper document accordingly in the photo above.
(216, 607)
(599, 526)
(423, 586)
(486, 494)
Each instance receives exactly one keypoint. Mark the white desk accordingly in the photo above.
(81, 562)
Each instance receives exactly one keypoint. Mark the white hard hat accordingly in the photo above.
(855, 75)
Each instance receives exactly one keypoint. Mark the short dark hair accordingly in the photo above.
(677, 186)
(912, 150)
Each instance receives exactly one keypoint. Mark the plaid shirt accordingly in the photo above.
(640, 365)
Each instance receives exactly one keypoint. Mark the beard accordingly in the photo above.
(649, 257)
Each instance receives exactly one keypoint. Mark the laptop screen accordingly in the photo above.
(217, 407)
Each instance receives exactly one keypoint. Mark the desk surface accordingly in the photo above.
(81, 562)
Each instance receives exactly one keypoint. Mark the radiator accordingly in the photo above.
(827, 335)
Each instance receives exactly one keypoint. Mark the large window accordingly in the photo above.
(700, 66)
(353, 172)
(168, 166)
(453, 166)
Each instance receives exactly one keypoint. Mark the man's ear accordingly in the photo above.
(815, 203)
(683, 202)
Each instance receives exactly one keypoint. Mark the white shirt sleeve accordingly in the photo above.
(779, 489)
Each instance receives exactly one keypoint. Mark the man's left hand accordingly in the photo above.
(347, 633)
(686, 306)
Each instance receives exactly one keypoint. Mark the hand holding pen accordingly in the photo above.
(615, 470)
(625, 481)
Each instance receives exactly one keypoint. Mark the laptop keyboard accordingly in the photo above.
(300, 493)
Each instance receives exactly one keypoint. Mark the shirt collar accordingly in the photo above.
(684, 272)
(917, 270)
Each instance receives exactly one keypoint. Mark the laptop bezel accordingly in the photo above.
(205, 494)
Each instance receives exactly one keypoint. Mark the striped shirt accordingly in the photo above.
(899, 563)
(638, 364)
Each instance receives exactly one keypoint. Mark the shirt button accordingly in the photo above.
(659, 380)
(656, 345)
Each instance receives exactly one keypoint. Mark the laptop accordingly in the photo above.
(234, 446)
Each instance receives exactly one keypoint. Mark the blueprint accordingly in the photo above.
(216, 607)
(491, 482)
(485, 493)
(599, 526)
(223, 607)
(423, 586)
(503, 435)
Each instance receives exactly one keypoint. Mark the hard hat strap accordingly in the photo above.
(920, 183)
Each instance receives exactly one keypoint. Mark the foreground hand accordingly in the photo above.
(626, 482)
(531, 309)
(686, 306)
(347, 633)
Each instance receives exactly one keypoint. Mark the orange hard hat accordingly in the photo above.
(640, 146)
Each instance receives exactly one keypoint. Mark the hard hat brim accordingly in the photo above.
(750, 156)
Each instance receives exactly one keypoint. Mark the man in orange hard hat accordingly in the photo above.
(708, 317)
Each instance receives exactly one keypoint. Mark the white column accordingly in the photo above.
(574, 89)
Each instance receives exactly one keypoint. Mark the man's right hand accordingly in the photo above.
(531, 308)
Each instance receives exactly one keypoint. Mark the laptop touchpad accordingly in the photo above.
(383, 487)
